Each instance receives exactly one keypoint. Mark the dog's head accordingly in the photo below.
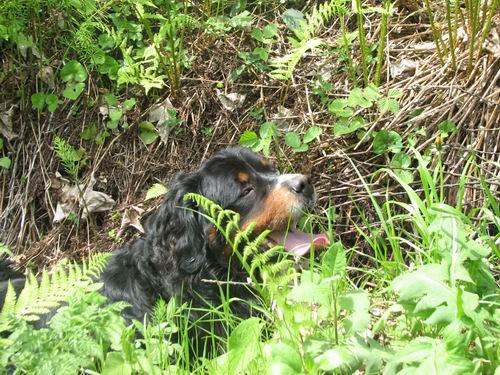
(244, 182)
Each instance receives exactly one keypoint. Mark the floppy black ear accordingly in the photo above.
(177, 230)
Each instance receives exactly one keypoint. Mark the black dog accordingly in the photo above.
(180, 249)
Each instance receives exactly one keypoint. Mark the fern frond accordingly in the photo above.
(306, 38)
(50, 290)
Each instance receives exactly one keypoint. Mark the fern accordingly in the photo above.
(71, 159)
(257, 255)
(306, 39)
(41, 295)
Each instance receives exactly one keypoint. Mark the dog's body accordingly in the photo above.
(181, 250)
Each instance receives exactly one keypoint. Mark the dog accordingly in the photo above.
(180, 249)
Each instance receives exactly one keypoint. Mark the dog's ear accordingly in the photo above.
(178, 228)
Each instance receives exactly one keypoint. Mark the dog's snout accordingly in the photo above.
(298, 183)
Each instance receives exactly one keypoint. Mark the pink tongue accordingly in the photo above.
(299, 243)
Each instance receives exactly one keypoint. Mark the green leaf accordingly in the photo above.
(89, 133)
(371, 93)
(157, 190)
(5, 162)
(73, 71)
(73, 91)
(1, 143)
(312, 133)
(261, 53)
(302, 148)
(243, 345)
(356, 98)
(52, 102)
(387, 141)
(129, 104)
(268, 130)
(111, 100)
(388, 105)
(293, 18)
(115, 364)
(334, 260)
(115, 115)
(38, 100)
(249, 139)
(283, 356)
(106, 41)
(292, 140)
(358, 303)
(270, 30)
(447, 126)
(394, 94)
(347, 126)
(147, 132)
(340, 108)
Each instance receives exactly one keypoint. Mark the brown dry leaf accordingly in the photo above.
(231, 101)
(403, 66)
(131, 218)
(6, 124)
(74, 198)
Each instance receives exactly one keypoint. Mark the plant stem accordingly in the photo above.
(383, 36)
(362, 41)
(435, 33)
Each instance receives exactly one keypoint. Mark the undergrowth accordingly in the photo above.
(435, 310)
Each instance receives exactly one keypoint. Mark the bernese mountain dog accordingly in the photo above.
(181, 251)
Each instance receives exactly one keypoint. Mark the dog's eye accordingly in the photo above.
(248, 190)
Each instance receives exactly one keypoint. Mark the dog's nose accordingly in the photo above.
(298, 183)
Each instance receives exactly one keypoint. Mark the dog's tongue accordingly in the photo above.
(299, 243)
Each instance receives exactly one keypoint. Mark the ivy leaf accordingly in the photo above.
(347, 126)
(312, 133)
(52, 102)
(157, 190)
(115, 115)
(387, 141)
(38, 101)
(5, 162)
(292, 140)
(129, 104)
(73, 71)
(147, 132)
(73, 91)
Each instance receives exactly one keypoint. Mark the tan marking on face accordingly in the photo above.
(243, 177)
(212, 234)
(265, 163)
(276, 211)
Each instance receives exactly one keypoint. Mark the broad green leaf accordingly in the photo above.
(399, 163)
(128, 104)
(371, 93)
(73, 71)
(115, 115)
(448, 127)
(243, 345)
(52, 102)
(111, 99)
(5, 162)
(293, 18)
(356, 98)
(147, 132)
(73, 91)
(280, 353)
(157, 190)
(38, 100)
(89, 133)
(292, 140)
(347, 126)
(340, 108)
(106, 41)
(261, 53)
(387, 141)
(358, 303)
(312, 133)
(334, 260)
(302, 148)
(268, 130)
(115, 364)
(249, 139)
(388, 105)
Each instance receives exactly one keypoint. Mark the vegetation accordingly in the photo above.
(392, 107)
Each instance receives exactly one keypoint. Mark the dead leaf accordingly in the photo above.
(131, 218)
(231, 101)
(402, 66)
(6, 124)
(159, 113)
(76, 198)
(282, 117)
